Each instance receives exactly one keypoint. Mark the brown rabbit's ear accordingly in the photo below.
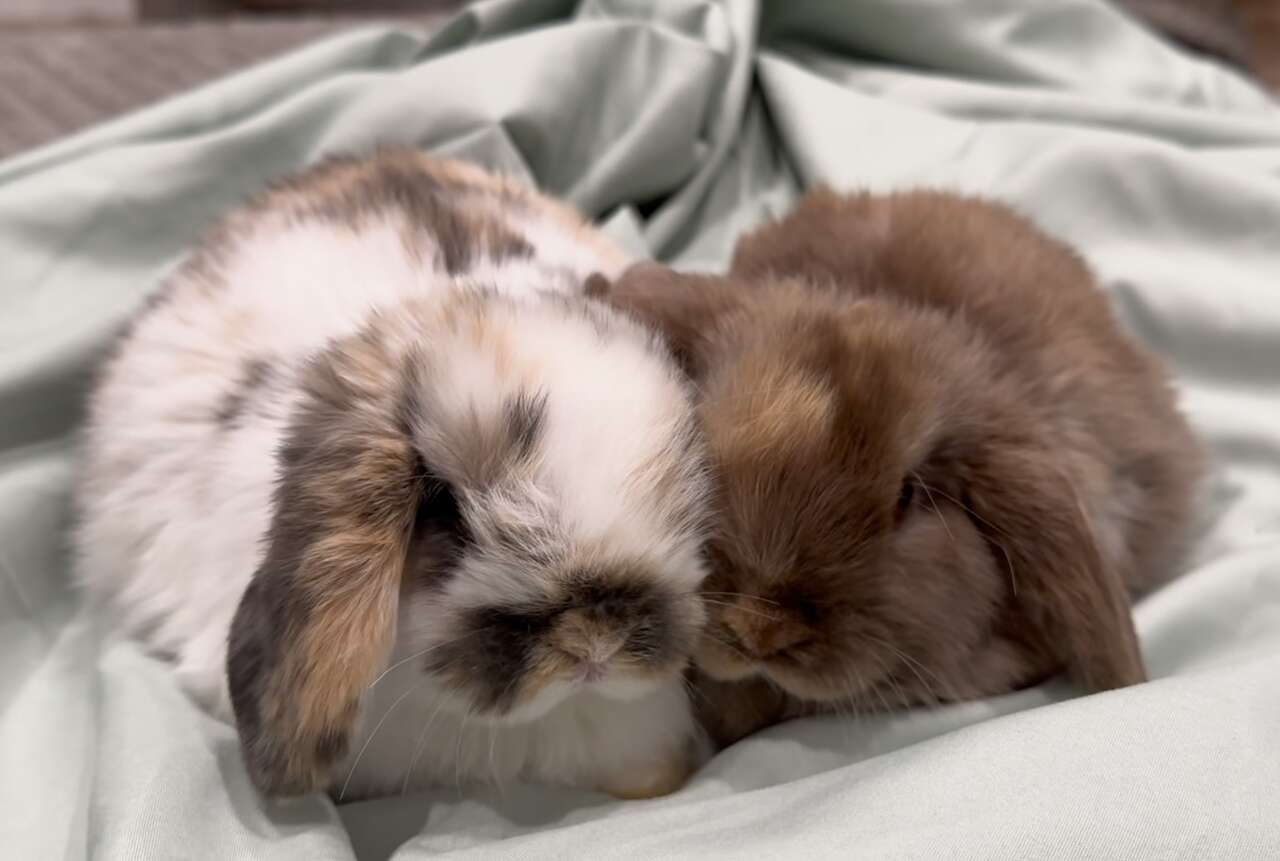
(684, 308)
(1074, 596)
(318, 618)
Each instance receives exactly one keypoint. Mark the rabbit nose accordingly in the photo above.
(599, 652)
(587, 640)
(762, 634)
(593, 663)
(592, 671)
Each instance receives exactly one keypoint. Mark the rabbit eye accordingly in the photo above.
(905, 497)
(717, 560)
(439, 509)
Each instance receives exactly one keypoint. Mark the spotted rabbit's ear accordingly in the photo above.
(684, 308)
(318, 618)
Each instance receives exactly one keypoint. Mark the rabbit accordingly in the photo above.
(398, 499)
(941, 467)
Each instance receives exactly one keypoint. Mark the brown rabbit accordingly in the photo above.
(942, 466)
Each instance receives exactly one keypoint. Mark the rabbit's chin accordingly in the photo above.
(617, 686)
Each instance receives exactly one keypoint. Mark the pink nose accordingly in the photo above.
(592, 671)
(760, 634)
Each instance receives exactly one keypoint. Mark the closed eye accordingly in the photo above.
(644, 641)
(439, 509)
(906, 496)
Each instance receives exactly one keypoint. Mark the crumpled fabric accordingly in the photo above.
(678, 124)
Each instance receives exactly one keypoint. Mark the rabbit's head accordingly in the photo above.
(505, 494)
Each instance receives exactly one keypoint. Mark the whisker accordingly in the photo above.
(912, 664)
(729, 645)
(457, 752)
(876, 688)
(853, 685)
(934, 505)
(420, 747)
(948, 496)
(946, 688)
(1013, 579)
(424, 652)
(902, 699)
(854, 692)
(501, 698)
(853, 710)
(493, 769)
(759, 613)
(350, 774)
(742, 595)
(694, 693)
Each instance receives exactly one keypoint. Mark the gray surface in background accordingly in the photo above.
(57, 78)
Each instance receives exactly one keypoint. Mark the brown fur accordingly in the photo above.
(460, 224)
(1260, 23)
(256, 374)
(367, 510)
(1244, 32)
(979, 463)
(415, 463)
(317, 621)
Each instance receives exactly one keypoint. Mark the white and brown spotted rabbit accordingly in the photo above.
(388, 489)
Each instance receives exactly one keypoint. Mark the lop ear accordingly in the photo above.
(318, 618)
(1073, 594)
(684, 308)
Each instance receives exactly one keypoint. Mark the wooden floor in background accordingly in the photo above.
(67, 64)
(55, 80)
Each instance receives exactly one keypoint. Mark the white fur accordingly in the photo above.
(174, 509)
(417, 734)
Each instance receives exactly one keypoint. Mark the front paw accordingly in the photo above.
(731, 711)
(658, 777)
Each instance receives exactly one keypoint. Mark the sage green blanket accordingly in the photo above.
(678, 124)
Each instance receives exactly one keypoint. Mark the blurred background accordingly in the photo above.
(66, 64)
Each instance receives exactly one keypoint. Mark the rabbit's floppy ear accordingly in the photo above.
(1074, 596)
(684, 308)
(318, 618)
